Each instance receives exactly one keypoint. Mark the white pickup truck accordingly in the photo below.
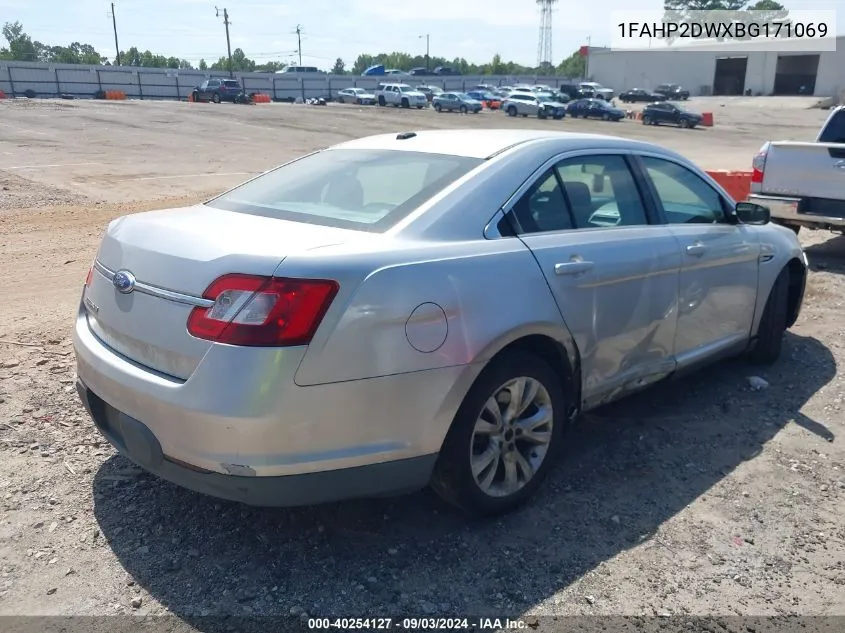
(400, 95)
(803, 184)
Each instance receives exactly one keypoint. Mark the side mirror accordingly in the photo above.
(750, 213)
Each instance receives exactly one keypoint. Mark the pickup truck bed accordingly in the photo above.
(803, 184)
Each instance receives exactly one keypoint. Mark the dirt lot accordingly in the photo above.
(700, 498)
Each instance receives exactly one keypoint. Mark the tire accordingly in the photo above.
(684, 124)
(438, 107)
(558, 117)
(216, 98)
(195, 96)
(646, 120)
(524, 116)
(512, 111)
(606, 116)
(463, 109)
(381, 101)
(453, 479)
(420, 107)
(406, 103)
(769, 341)
(340, 100)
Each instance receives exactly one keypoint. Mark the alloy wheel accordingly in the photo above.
(511, 437)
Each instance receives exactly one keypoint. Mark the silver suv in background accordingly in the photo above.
(530, 104)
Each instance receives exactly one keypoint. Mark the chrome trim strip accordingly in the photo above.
(155, 291)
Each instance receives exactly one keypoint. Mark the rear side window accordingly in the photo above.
(834, 131)
(368, 190)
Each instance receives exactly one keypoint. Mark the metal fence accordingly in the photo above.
(19, 79)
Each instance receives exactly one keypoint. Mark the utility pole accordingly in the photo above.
(427, 56)
(114, 24)
(299, 42)
(228, 44)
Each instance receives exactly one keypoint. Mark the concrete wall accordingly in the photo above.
(51, 80)
(695, 70)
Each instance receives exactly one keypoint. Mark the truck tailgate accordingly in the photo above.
(805, 170)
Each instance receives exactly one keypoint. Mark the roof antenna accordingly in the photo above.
(405, 135)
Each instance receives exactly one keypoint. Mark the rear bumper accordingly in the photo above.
(136, 441)
(241, 414)
(786, 209)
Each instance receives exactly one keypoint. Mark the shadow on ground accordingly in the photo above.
(643, 459)
(828, 256)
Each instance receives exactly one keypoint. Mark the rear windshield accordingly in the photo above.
(834, 131)
(367, 190)
(231, 83)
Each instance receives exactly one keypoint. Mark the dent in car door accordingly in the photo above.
(616, 285)
(718, 281)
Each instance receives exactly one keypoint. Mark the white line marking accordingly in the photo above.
(231, 173)
(43, 166)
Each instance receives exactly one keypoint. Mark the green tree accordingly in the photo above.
(269, 67)
(240, 62)
(339, 67)
(573, 66)
(203, 65)
(21, 47)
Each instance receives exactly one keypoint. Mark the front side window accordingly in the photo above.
(367, 190)
(686, 198)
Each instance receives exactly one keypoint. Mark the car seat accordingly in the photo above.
(580, 201)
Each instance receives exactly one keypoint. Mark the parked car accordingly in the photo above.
(220, 346)
(672, 92)
(487, 99)
(430, 91)
(639, 95)
(217, 90)
(802, 182)
(400, 95)
(446, 70)
(672, 113)
(594, 109)
(420, 72)
(456, 101)
(356, 95)
(595, 90)
(570, 90)
(529, 104)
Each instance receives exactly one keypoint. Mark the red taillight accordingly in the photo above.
(88, 277)
(262, 311)
(758, 165)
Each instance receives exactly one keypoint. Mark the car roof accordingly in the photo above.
(480, 143)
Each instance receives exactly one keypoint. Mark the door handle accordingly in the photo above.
(696, 250)
(573, 268)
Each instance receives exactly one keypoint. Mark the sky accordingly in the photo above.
(265, 29)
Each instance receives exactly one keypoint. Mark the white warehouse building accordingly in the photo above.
(725, 69)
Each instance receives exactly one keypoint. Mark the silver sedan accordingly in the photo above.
(430, 307)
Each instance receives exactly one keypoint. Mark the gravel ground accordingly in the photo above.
(701, 497)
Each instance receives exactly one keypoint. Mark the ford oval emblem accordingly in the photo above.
(124, 281)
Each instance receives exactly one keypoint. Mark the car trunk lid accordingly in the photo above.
(174, 256)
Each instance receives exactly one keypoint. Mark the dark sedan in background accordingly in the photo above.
(672, 92)
(640, 95)
(595, 109)
(671, 113)
(218, 90)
